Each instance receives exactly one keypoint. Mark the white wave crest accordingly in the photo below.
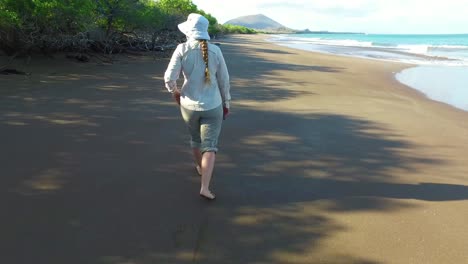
(417, 49)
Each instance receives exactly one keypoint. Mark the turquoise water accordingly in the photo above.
(397, 39)
(451, 47)
(440, 83)
(442, 60)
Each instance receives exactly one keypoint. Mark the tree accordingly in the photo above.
(178, 7)
(31, 24)
(102, 25)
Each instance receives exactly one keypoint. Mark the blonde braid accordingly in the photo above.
(204, 46)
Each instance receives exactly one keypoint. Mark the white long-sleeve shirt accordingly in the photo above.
(196, 94)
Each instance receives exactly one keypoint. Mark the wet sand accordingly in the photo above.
(325, 159)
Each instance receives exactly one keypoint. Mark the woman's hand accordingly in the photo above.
(225, 112)
(176, 96)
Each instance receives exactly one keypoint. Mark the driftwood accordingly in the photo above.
(5, 70)
(10, 60)
(79, 57)
(12, 71)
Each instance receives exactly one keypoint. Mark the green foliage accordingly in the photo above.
(234, 29)
(151, 17)
(64, 16)
(45, 15)
(118, 15)
(8, 18)
(26, 25)
(177, 7)
(12, 12)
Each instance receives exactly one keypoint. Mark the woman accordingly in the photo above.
(204, 97)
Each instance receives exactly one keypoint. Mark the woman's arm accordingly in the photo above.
(222, 75)
(173, 70)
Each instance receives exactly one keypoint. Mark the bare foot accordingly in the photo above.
(198, 170)
(207, 195)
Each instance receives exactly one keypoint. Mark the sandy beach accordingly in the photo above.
(324, 159)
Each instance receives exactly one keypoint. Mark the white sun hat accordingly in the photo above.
(196, 27)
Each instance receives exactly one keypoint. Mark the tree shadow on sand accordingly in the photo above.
(256, 78)
(271, 176)
(102, 174)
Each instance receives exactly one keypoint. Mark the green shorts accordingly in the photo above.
(204, 127)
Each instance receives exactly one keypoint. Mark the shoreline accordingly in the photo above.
(430, 137)
(383, 71)
(411, 81)
(419, 75)
(439, 83)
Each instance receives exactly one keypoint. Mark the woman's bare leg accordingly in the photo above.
(207, 164)
(197, 156)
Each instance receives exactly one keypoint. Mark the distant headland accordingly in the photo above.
(265, 24)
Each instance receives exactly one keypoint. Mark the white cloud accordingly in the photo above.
(373, 16)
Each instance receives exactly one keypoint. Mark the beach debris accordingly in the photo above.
(12, 71)
(79, 57)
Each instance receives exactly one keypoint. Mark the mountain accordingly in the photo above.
(259, 22)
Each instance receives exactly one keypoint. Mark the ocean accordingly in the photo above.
(440, 61)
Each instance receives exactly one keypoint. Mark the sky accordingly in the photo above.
(368, 16)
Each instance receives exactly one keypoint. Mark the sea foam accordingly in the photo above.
(441, 61)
